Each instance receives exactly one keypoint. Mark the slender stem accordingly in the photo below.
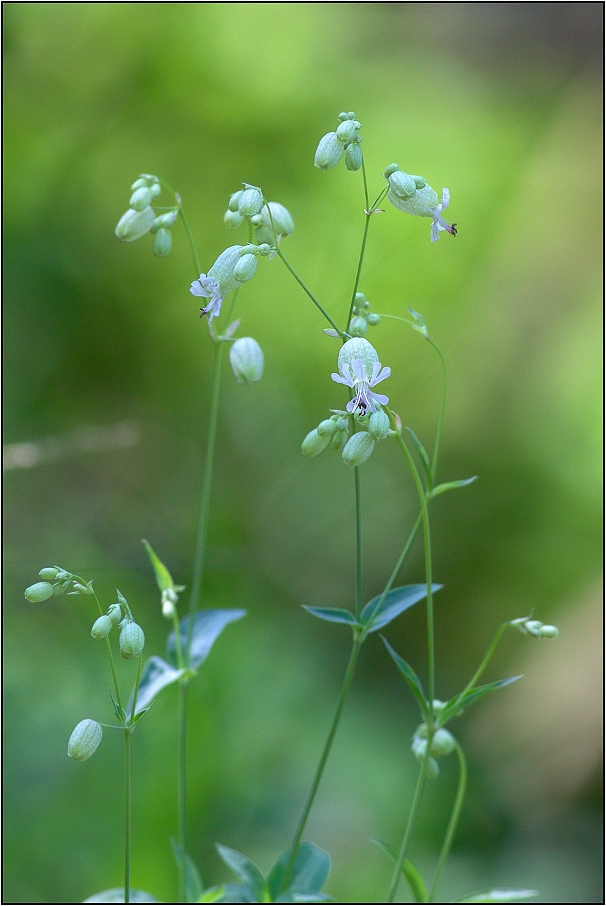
(182, 784)
(357, 644)
(359, 271)
(426, 532)
(311, 296)
(358, 542)
(205, 502)
(412, 818)
(109, 648)
(398, 565)
(436, 449)
(127, 815)
(190, 239)
(452, 824)
(485, 660)
(136, 689)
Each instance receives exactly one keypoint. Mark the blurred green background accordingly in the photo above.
(107, 369)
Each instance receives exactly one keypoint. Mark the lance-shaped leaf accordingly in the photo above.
(411, 678)
(500, 896)
(458, 704)
(423, 457)
(247, 871)
(156, 675)
(189, 870)
(309, 873)
(410, 871)
(213, 895)
(208, 626)
(375, 616)
(451, 485)
(116, 895)
(332, 615)
(163, 577)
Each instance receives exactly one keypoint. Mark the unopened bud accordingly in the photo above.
(442, 743)
(246, 357)
(232, 219)
(328, 152)
(347, 131)
(549, 632)
(339, 439)
(135, 224)
(114, 612)
(378, 424)
(372, 318)
(132, 640)
(49, 573)
(533, 627)
(141, 198)
(250, 201)
(163, 241)
(353, 156)
(358, 448)
(84, 740)
(39, 592)
(402, 185)
(314, 443)
(327, 427)
(245, 268)
(358, 326)
(102, 626)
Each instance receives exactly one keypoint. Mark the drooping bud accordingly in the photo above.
(246, 358)
(166, 220)
(327, 427)
(378, 424)
(442, 743)
(132, 640)
(250, 201)
(39, 592)
(84, 740)
(339, 439)
(141, 198)
(353, 156)
(347, 131)
(135, 224)
(358, 448)
(48, 573)
(114, 611)
(549, 632)
(102, 627)
(402, 185)
(358, 326)
(245, 268)
(314, 443)
(232, 219)
(329, 151)
(163, 241)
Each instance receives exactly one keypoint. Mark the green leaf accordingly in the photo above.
(208, 626)
(156, 675)
(410, 871)
(309, 874)
(419, 322)
(116, 895)
(246, 870)
(163, 577)
(332, 614)
(458, 704)
(451, 485)
(424, 459)
(193, 881)
(500, 896)
(119, 711)
(411, 678)
(212, 895)
(237, 893)
(395, 602)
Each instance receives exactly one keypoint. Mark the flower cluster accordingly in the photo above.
(141, 217)
(412, 195)
(359, 369)
(346, 140)
(270, 220)
(235, 266)
(362, 316)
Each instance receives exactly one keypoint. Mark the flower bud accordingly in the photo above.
(361, 303)
(246, 357)
(328, 152)
(163, 241)
(358, 326)
(358, 448)
(142, 181)
(280, 220)
(378, 424)
(442, 743)
(84, 740)
(164, 220)
(549, 632)
(155, 189)
(48, 573)
(314, 443)
(419, 748)
(353, 156)
(347, 131)
(433, 768)
(419, 181)
(327, 427)
(135, 224)
(132, 640)
(39, 592)
(245, 268)
(533, 627)
(102, 626)
(372, 318)
(141, 198)
(339, 439)
(402, 185)
(250, 201)
(114, 612)
(232, 219)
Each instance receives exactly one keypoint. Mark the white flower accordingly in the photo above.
(360, 369)
(219, 281)
(423, 202)
(209, 288)
(439, 224)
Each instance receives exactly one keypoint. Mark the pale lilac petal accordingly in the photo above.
(380, 398)
(445, 199)
(385, 373)
(358, 369)
(434, 232)
(341, 380)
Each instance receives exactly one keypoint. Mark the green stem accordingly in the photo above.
(109, 648)
(485, 660)
(436, 449)
(127, 816)
(428, 577)
(182, 785)
(311, 296)
(358, 542)
(357, 644)
(205, 502)
(412, 819)
(452, 824)
(359, 271)
(398, 565)
(190, 239)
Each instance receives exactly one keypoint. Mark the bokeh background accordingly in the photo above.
(106, 390)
